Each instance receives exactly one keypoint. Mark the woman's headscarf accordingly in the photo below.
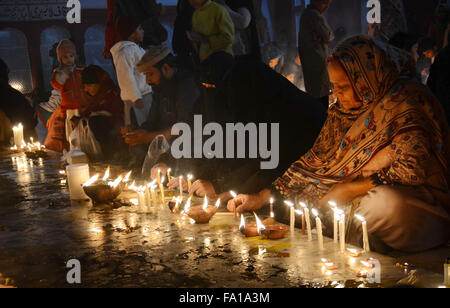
(391, 106)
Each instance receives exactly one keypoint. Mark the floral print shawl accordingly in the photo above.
(349, 139)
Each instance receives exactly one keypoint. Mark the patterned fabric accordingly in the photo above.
(350, 139)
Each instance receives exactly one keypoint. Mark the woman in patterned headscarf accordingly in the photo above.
(384, 149)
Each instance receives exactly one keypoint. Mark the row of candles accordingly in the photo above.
(147, 195)
(338, 223)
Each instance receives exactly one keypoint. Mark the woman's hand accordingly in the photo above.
(339, 193)
(175, 183)
(154, 172)
(249, 202)
(203, 188)
(346, 192)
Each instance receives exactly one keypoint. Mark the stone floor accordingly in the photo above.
(40, 230)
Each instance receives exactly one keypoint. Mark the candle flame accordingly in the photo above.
(132, 186)
(332, 203)
(303, 205)
(271, 200)
(127, 177)
(233, 194)
(151, 184)
(362, 219)
(289, 203)
(299, 212)
(163, 178)
(106, 176)
(91, 181)
(242, 225)
(116, 182)
(20, 126)
(205, 204)
(315, 212)
(218, 203)
(190, 176)
(259, 225)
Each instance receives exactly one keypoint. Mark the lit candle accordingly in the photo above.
(342, 232)
(141, 196)
(18, 135)
(308, 221)
(189, 181)
(318, 228)
(335, 220)
(366, 244)
(169, 177)
(180, 184)
(148, 200)
(153, 193)
(272, 214)
(234, 195)
(292, 215)
(161, 188)
(159, 177)
(77, 175)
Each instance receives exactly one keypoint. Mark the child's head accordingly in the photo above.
(91, 79)
(67, 53)
(130, 29)
(196, 4)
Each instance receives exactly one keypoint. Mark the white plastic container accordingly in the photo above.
(77, 175)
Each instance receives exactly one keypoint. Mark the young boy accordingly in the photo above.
(67, 80)
(135, 92)
(213, 36)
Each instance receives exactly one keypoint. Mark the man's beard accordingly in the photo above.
(162, 82)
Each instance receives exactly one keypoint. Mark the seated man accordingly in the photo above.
(384, 150)
(174, 97)
(104, 108)
(14, 109)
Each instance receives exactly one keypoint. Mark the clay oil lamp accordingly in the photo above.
(328, 265)
(103, 191)
(275, 232)
(353, 252)
(203, 214)
(252, 229)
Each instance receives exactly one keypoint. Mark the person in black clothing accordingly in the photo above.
(14, 109)
(254, 93)
(439, 79)
(182, 47)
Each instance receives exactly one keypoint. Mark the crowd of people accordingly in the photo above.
(367, 130)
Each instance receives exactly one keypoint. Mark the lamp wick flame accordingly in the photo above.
(259, 225)
(116, 182)
(303, 205)
(218, 203)
(106, 177)
(232, 193)
(91, 181)
(127, 177)
(242, 225)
